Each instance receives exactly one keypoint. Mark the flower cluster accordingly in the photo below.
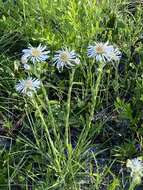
(136, 167)
(102, 52)
(62, 58)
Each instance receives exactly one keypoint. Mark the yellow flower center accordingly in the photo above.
(100, 49)
(36, 52)
(28, 84)
(64, 56)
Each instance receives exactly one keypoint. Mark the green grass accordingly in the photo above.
(85, 122)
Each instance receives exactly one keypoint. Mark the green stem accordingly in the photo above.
(48, 103)
(50, 111)
(95, 91)
(68, 108)
(46, 127)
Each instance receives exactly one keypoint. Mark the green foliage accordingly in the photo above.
(84, 123)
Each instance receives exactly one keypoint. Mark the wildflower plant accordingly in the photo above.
(56, 116)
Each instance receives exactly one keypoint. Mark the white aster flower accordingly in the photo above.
(66, 58)
(35, 54)
(136, 167)
(100, 51)
(28, 86)
(103, 52)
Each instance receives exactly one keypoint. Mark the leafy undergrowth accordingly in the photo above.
(77, 131)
